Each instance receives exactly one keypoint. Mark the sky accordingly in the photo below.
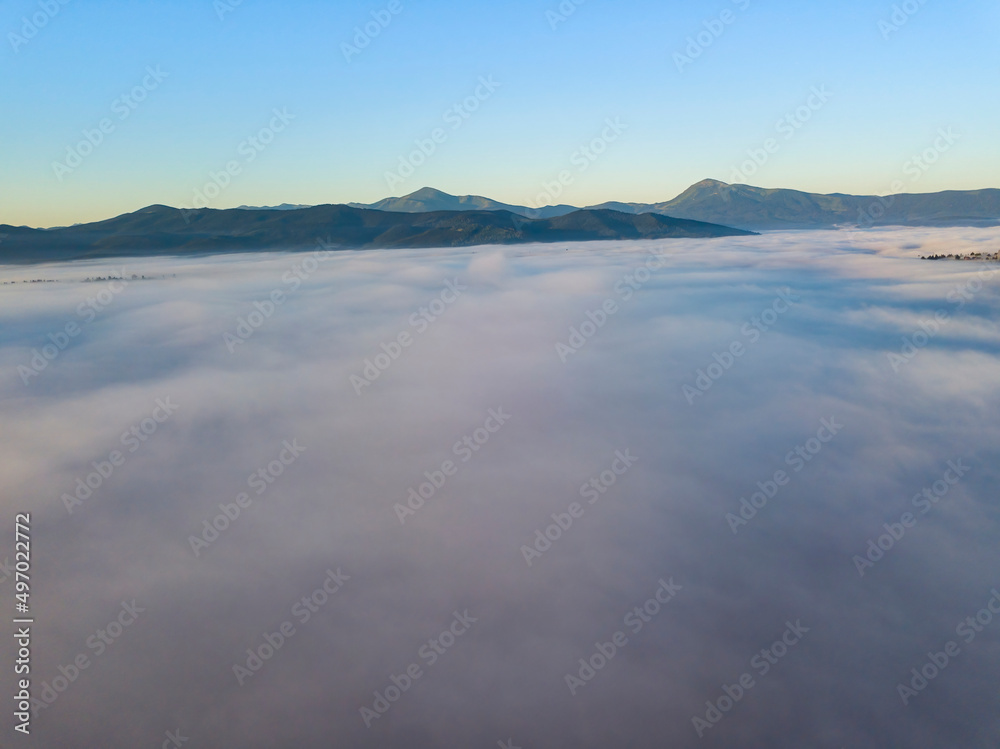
(815, 392)
(112, 106)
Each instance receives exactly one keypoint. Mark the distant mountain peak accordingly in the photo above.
(427, 193)
(428, 199)
(708, 187)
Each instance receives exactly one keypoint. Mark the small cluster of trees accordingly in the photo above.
(95, 279)
(968, 256)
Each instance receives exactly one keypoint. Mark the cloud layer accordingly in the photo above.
(281, 420)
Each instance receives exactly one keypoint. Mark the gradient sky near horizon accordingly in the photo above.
(354, 120)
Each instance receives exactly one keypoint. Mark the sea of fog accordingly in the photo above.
(725, 493)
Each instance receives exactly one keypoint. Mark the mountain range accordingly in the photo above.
(431, 218)
(754, 208)
(161, 230)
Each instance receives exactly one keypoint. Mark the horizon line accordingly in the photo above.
(367, 206)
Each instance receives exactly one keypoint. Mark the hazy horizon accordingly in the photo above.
(487, 195)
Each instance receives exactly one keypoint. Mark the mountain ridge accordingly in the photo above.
(429, 199)
(430, 217)
(752, 208)
(162, 230)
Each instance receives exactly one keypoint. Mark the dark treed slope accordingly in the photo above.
(159, 230)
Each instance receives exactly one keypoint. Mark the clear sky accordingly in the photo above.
(555, 78)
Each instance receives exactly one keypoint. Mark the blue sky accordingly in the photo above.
(890, 94)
